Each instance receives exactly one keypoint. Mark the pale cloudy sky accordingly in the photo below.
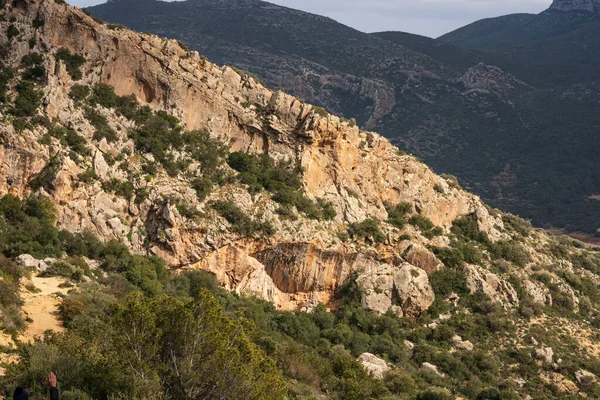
(426, 17)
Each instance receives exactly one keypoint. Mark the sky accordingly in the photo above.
(431, 18)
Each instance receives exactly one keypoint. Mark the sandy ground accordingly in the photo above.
(42, 308)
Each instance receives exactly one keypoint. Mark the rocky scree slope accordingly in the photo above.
(391, 220)
(504, 137)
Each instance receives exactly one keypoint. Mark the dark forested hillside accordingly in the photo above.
(523, 146)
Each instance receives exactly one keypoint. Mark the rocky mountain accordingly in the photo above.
(591, 6)
(124, 153)
(506, 144)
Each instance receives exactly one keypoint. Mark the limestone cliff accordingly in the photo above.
(306, 260)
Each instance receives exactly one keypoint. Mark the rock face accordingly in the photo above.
(539, 293)
(576, 5)
(373, 365)
(405, 290)
(498, 290)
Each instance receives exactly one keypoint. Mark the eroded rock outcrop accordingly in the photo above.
(405, 289)
(373, 365)
(497, 289)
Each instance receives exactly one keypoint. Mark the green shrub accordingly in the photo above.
(79, 93)
(141, 196)
(435, 394)
(427, 228)
(451, 257)
(12, 31)
(367, 230)
(27, 227)
(203, 186)
(281, 180)
(208, 152)
(104, 95)
(423, 223)
(88, 176)
(241, 223)
(510, 251)
(517, 224)
(320, 111)
(452, 181)
(466, 228)
(447, 281)
(120, 188)
(45, 179)
(33, 64)
(68, 137)
(158, 135)
(59, 268)
(103, 129)
(28, 99)
(5, 76)
(397, 214)
(73, 62)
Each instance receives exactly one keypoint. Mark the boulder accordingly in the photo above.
(584, 376)
(427, 367)
(498, 290)
(545, 354)
(405, 289)
(538, 292)
(463, 345)
(373, 365)
(28, 261)
(421, 257)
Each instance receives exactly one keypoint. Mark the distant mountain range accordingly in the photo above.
(509, 105)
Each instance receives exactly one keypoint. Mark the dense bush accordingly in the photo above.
(10, 300)
(103, 129)
(5, 76)
(12, 31)
(466, 228)
(281, 180)
(367, 230)
(33, 67)
(510, 251)
(202, 186)
(447, 281)
(73, 62)
(28, 100)
(79, 93)
(240, 222)
(71, 139)
(148, 348)
(427, 228)
(27, 227)
(120, 188)
(210, 153)
(397, 214)
(159, 135)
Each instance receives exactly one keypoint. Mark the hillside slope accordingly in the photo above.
(123, 153)
(501, 136)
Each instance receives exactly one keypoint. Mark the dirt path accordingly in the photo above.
(42, 309)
